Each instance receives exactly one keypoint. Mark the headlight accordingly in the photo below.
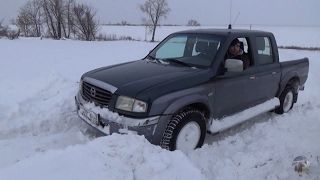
(130, 104)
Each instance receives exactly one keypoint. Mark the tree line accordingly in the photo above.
(68, 19)
(57, 19)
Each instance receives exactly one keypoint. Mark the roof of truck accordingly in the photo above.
(222, 31)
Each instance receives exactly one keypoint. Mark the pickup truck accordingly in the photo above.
(186, 88)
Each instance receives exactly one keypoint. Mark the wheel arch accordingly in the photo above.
(291, 78)
(195, 101)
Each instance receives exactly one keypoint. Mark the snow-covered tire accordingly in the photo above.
(287, 99)
(186, 131)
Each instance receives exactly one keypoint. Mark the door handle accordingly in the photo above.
(252, 77)
(273, 73)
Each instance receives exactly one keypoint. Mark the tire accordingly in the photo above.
(287, 99)
(186, 131)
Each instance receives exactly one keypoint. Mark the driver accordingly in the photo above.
(235, 52)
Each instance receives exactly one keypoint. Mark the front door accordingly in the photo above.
(234, 92)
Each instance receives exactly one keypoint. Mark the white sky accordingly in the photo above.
(41, 136)
(207, 12)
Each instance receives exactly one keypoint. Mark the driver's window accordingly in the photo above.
(174, 48)
(244, 44)
(240, 49)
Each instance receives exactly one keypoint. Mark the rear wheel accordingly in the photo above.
(186, 131)
(286, 98)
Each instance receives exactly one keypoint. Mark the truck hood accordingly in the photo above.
(133, 77)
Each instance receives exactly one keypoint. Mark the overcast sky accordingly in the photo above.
(207, 12)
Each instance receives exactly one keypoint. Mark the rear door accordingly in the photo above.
(269, 68)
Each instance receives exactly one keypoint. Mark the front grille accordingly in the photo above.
(99, 96)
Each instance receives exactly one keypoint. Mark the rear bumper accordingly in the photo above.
(124, 125)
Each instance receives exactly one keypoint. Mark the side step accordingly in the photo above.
(219, 125)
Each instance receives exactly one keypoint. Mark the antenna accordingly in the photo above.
(229, 27)
(236, 19)
(230, 11)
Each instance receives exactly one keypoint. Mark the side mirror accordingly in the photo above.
(234, 65)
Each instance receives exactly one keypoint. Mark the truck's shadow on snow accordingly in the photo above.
(301, 109)
(240, 128)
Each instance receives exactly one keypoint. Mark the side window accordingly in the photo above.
(246, 47)
(265, 55)
(174, 48)
(244, 44)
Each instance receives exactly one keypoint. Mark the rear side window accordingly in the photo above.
(265, 55)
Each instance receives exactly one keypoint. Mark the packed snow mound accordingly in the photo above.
(51, 110)
(113, 157)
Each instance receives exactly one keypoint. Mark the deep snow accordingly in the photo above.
(41, 137)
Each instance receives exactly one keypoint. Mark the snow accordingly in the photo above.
(104, 112)
(41, 136)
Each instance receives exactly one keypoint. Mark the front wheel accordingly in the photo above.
(186, 131)
(286, 100)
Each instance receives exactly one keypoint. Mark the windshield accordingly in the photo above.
(196, 50)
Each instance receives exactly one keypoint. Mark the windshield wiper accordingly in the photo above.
(178, 62)
(153, 58)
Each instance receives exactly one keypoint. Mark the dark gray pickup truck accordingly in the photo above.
(186, 87)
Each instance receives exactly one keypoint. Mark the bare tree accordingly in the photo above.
(1, 23)
(69, 17)
(3, 29)
(8, 32)
(124, 23)
(155, 10)
(29, 18)
(86, 27)
(59, 18)
(13, 34)
(48, 19)
(24, 23)
(193, 23)
(54, 17)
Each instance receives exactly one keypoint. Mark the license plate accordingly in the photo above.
(89, 115)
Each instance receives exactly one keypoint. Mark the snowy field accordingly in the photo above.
(41, 136)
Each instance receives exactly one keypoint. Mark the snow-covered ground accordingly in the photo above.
(41, 137)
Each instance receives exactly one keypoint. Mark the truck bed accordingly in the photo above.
(300, 67)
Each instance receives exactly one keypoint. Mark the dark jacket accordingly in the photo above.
(241, 56)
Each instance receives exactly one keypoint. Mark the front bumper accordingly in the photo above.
(123, 125)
